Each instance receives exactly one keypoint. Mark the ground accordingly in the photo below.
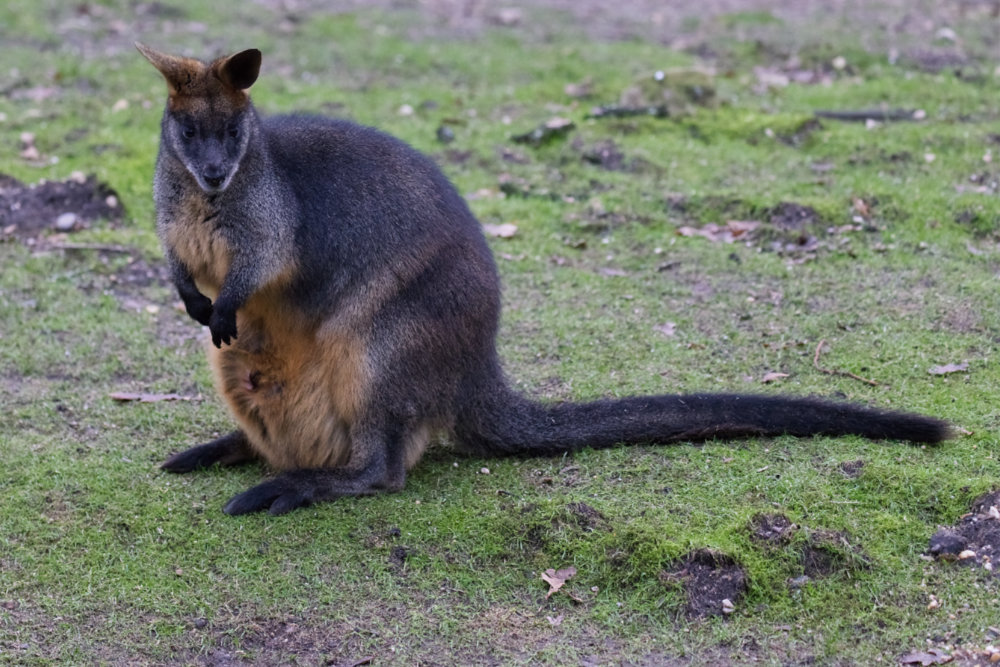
(699, 229)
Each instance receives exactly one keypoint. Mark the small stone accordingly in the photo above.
(445, 134)
(66, 222)
(966, 554)
(728, 607)
(484, 471)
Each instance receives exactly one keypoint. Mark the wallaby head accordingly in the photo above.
(209, 119)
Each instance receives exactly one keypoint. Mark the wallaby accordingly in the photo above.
(353, 304)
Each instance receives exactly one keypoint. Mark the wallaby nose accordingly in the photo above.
(214, 176)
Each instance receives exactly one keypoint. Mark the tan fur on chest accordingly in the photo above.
(198, 244)
(295, 391)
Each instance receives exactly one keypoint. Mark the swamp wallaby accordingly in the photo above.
(353, 304)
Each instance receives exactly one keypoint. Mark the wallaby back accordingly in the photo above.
(353, 304)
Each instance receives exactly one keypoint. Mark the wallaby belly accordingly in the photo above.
(295, 390)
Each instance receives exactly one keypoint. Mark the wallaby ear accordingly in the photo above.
(240, 70)
(176, 70)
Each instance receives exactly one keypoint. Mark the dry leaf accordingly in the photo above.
(607, 271)
(773, 377)
(667, 328)
(149, 398)
(556, 578)
(949, 368)
(933, 656)
(503, 231)
(555, 621)
(731, 231)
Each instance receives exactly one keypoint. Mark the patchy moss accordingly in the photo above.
(105, 559)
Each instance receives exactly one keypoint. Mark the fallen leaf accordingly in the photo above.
(125, 397)
(772, 377)
(556, 578)
(582, 89)
(731, 231)
(502, 231)
(667, 328)
(949, 368)
(611, 272)
(861, 208)
(555, 621)
(931, 657)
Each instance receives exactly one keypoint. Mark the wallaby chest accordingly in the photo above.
(192, 228)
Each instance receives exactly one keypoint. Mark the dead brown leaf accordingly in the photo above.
(556, 578)
(934, 656)
(945, 369)
(667, 328)
(733, 230)
(773, 376)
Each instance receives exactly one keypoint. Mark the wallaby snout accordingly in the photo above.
(214, 176)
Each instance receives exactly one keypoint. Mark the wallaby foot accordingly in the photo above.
(229, 450)
(301, 488)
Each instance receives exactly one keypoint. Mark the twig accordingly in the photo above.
(836, 372)
(862, 116)
(103, 247)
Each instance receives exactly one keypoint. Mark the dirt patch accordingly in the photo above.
(827, 552)
(587, 517)
(28, 210)
(975, 539)
(774, 529)
(713, 582)
(851, 469)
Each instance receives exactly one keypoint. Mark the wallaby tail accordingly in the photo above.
(503, 422)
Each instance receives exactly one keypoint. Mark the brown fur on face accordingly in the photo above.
(193, 85)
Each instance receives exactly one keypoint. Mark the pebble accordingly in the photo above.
(66, 222)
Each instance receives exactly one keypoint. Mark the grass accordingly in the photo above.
(103, 559)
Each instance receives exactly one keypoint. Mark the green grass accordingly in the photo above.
(104, 559)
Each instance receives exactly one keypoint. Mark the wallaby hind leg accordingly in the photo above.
(377, 463)
(229, 450)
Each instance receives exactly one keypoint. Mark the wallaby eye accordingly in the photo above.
(234, 131)
(188, 131)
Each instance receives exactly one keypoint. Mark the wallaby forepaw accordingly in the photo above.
(222, 324)
(199, 307)
(277, 496)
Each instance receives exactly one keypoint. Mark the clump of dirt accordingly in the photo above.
(28, 210)
(774, 529)
(713, 582)
(793, 217)
(586, 516)
(820, 552)
(975, 539)
(852, 469)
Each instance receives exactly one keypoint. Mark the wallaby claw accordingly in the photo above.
(276, 495)
(223, 328)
